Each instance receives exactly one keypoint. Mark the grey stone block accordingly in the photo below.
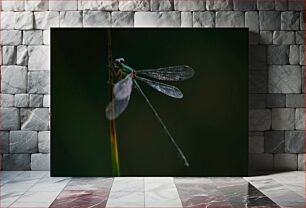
(101, 18)
(44, 141)
(23, 142)
(300, 119)
(302, 21)
(256, 144)
(46, 101)
(39, 58)
(294, 141)
(276, 100)
(259, 120)
(10, 37)
(7, 20)
(45, 20)
(36, 100)
(46, 37)
(14, 79)
(219, 5)
(266, 37)
(302, 56)
(303, 79)
(274, 141)
(13, 6)
(71, 19)
(256, 133)
(39, 82)
(294, 54)
(258, 81)
(203, 19)
(229, 19)
(24, 20)
(257, 101)
(157, 19)
(296, 5)
(285, 162)
(186, 19)
(281, 5)
(36, 120)
(290, 20)
(134, 5)
(10, 119)
(278, 54)
(301, 161)
(265, 5)
(269, 20)
(251, 21)
(21, 100)
(4, 141)
(37, 5)
(283, 118)
(16, 162)
(283, 37)
(122, 19)
(260, 161)
(246, 5)
(22, 55)
(195, 5)
(98, 5)
(40, 162)
(32, 37)
(257, 56)
(162, 5)
(9, 55)
(299, 37)
(285, 79)
(295, 100)
(63, 5)
(6, 100)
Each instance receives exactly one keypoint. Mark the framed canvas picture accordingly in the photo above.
(209, 122)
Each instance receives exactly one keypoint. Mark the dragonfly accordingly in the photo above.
(129, 78)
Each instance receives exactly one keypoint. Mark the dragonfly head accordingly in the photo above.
(118, 62)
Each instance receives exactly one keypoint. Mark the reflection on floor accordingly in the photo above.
(38, 189)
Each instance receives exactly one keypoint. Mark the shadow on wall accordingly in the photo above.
(276, 121)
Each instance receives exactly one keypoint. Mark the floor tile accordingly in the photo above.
(125, 199)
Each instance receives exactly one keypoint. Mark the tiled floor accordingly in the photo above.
(37, 189)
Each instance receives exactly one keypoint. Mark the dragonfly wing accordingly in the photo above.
(163, 88)
(122, 91)
(171, 73)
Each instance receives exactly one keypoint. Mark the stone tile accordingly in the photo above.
(258, 82)
(7, 22)
(246, 5)
(46, 101)
(274, 142)
(96, 19)
(37, 5)
(40, 161)
(23, 142)
(16, 162)
(186, 19)
(265, 5)
(22, 55)
(32, 37)
(134, 5)
(128, 184)
(9, 55)
(269, 20)
(251, 21)
(276, 100)
(285, 162)
(36, 100)
(196, 5)
(299, 37)
(98, 5)
(222, 5)
(203, 19)
(11, 37)
(296, 5)
(63, 5)
(21, 100)
(6, 100)
(122, 19)
(44, 141)
(71, 19)
(39, 58)
(162, 5)
(278, 54)
(283, 118)
(256, 144)
(125, 199)
(13, 79)
(285, 79)
(283, 37)
(301, 162)
(294, 141)
(266, 37)
(45, 20)
(302, 20)
(260, 162)
(294, 54)
(13, 6)
(295, 100)
(4, 141)
(302, 56)
(259, 120)
(300, 119)
(257, 56)
(157, 19)
(39, 82)
(257, 101)
(229, 19)
(24, 20)
(290, 20)
(46, 37)
(10, 119)
(281, 5)
(36, 120)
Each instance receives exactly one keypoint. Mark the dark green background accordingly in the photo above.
(209, 123)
